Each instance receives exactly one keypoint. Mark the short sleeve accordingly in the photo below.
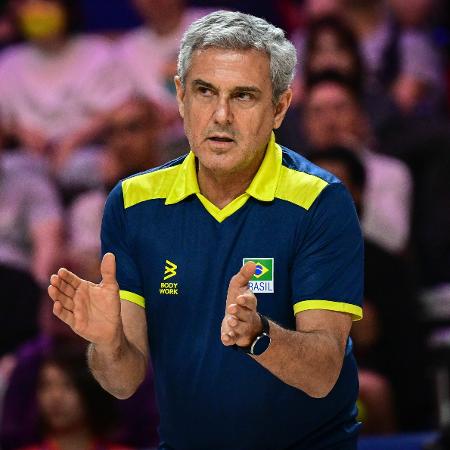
(115, 239)
(328, 269)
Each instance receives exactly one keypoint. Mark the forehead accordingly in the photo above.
(329, 93)
(127, 110)
(228, 68)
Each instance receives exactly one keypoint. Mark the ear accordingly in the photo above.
(282, 107)
(180, 95)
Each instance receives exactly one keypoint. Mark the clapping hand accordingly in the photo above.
(241, 323)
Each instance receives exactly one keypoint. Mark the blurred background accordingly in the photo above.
(87, 98)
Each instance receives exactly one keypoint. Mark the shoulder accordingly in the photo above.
(90, 49)
(132, 39)
(387, 166)
(301, 182)
(152, 184)
(91, 41)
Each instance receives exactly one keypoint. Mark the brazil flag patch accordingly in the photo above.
(262, 280)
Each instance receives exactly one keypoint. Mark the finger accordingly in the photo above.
(248, 301)
(63, 314)
(228, 338)
(58, 296)
(108, 268)
(244, 275)
(238, 327)
(241, 312)
(69, 277)
(63, 286)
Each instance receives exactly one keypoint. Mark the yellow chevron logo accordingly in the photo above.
(170, 270)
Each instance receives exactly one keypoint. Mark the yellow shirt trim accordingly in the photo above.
(299, 188)
(132, 297)
(148, 186)
(272, 180)
(221, 214)
(262, 187)
(355, 311)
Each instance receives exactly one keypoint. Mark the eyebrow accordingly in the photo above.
(199, 82)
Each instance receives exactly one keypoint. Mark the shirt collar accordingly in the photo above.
(262, 187)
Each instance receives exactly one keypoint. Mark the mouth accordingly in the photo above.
(220, 138)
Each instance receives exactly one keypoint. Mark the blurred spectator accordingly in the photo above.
(30, 238)
(316, 9)
(73, 411)
(334, 115)
(388, 344)
(56, 87)
(21, 421)
(412, 13)
(8, 31)
(133, 140)
(332, 45)
(403, 61)
(132, 144)
(149, 53)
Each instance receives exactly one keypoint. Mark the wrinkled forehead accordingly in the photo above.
(240, 67)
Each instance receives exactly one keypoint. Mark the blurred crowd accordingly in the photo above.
(82, 108)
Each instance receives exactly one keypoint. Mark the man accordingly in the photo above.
(334, 115)
(237, 209)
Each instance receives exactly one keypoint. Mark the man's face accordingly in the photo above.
(330, 54)
(41, 21)
(132, 134)
(227, 108)
(321, 8)
(154, 10)
(332, 117)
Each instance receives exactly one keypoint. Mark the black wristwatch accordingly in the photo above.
(261, 342)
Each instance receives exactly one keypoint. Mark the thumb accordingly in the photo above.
(108, 268)
(244, 275)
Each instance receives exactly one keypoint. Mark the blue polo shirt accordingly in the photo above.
(176, 253)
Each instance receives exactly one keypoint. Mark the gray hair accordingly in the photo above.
(238, 31)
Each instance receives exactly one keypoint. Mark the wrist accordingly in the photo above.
(261, 340)
(111, 346)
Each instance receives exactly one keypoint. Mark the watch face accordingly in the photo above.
(261, 344)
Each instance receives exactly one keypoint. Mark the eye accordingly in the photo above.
(203, 90)
(245, 96)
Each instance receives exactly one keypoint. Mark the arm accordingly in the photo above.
(309, 358)
(64, 149)
(328, 267)
(46, 237)
(118, 353)
(120, 366)
(45, 222)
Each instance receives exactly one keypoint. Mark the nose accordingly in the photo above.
(223, 114)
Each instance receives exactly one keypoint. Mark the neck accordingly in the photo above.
(222, 188)
(53, 46)
(76, 439)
